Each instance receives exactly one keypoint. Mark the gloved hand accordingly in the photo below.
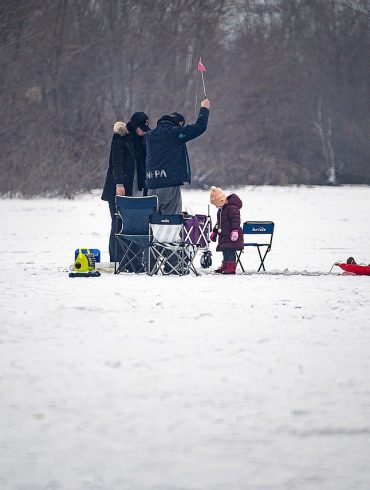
(213, 236)
(234, 235)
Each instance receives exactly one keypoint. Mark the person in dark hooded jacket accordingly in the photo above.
(126, 169)
(167, 165)
(227, 228)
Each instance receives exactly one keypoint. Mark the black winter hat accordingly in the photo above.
(140, 120)
(177, 118)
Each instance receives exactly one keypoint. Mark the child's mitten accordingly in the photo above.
(213, 236)
(234, 235)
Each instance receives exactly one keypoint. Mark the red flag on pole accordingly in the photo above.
(201, 67)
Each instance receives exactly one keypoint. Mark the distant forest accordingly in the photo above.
(288, 82)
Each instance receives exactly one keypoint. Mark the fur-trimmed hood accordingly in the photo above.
(120, 128)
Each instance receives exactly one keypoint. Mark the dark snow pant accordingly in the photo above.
(116, 225)
(115, 250)
(229, 255)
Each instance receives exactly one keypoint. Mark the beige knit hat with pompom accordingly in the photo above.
(218, 197)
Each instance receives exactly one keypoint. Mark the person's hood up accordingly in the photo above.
(175, 118)
(120, 128)
(235, 201)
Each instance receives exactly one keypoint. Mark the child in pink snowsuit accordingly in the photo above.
(227, 228)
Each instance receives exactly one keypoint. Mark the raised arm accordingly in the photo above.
(192, 131)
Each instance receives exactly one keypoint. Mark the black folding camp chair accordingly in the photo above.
(133, 238)
(262, 241)
(168, 251)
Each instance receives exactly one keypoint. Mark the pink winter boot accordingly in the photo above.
(221, 268)
(230, 268)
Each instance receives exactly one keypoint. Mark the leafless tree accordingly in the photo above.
(288, 81)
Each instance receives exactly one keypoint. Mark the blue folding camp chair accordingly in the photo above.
(133, 238)
(263, 228)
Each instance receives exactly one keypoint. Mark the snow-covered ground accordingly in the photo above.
(257, 382)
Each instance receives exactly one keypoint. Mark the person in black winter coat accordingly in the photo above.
(167, 159)
(126, 170)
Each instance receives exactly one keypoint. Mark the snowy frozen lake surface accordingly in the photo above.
(257, 382)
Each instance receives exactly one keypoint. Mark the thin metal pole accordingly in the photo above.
(204, 87)
(196, 98)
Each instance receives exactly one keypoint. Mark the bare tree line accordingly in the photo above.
(288, 81)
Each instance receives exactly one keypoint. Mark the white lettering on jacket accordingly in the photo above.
(156, 174)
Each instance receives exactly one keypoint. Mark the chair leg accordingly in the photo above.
(262, 259)
(115, 246)
(239, 260)
(129, 256)
(120, 263)
(169, 261)
(119, 268)
(157, 261)
(155, 257)
(135, 261)
(149, 269)
(190, 265)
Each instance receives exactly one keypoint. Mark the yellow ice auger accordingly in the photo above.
(84, 265)
(85, 261)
